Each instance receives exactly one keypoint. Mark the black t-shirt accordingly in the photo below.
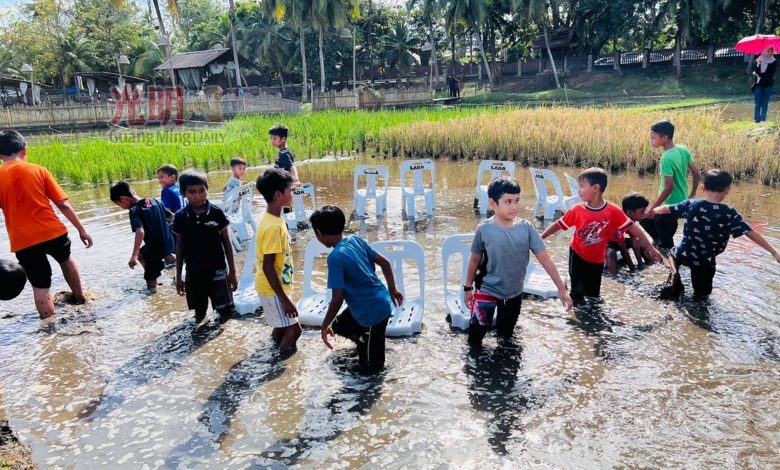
(151, 215)
(707, 230)
(284, 159)
(201, 236)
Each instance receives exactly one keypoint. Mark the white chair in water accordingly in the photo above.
(371, 173)
(546, 205)
(406, 319)
(574, 187)
(496, 168)
(237, 206)
(300, 214)
(313, 304)
(245, 298)
(417, 168)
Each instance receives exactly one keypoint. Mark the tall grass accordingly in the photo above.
(611, 138)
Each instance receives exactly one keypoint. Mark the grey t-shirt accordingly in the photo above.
(508, 253)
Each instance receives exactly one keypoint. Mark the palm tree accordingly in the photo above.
(471, 13)
(429, 10)
(273, 41)
(400, 47)
(77, 56)
(327, 14)
(8, 63)
(683, 12)
(145, 63)
(537, 10)
(300, 11)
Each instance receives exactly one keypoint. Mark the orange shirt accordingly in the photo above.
(25, 191)
(593, 228)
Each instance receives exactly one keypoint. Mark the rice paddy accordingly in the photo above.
(608, 137)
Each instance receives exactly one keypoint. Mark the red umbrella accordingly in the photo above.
(758, 43)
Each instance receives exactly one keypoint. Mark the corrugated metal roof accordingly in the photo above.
(193, 60)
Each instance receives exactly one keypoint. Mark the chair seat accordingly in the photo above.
(405, 320)
(292, 221)
(363, 192)
(538, 282)
(246, 300)
(571, 201)
(312, 309)
(459, 313)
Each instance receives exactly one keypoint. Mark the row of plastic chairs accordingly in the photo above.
(373, 175)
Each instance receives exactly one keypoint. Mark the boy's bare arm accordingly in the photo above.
(139, 238)
(662, 210)
(668, 188)
(624, 251)
(639, 235)
(551, 230)
(179, 264)
(761, 241)
(552, 271)
(294, 173)
(228, 245)
(336, 300)
(269, 259)
(696, 176)
(387, 270)
(471, 271)
(70, 214)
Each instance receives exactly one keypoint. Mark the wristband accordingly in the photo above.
(467, 288)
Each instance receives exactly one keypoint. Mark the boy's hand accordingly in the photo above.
(85, 239)
(655, 255)
(777, 256)
(325, 332)
(398, 298)
(232, 281)
(468, 297)
(650, 215)
(289, 308)
(180, 286)
(133, 261)
(566, 299)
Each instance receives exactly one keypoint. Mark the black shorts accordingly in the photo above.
(153, 262)
(370, 341)
(507, 313)
(585, 277)
(36, 264)
(662, 228)
(202, 287)
(701, 278)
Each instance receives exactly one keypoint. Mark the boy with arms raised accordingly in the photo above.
(149, 221)
(506, 241)
(593, 220)
(274, 279)
(709, 224)
(202, 244)
(352, 277)
(34, 230)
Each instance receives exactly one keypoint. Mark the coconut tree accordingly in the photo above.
(299, 12)
(682, 13)
(538, 12)
(326, 14)
(471, 13)
(400, 46)
(429, 10)
(145, 63)
(272, 41)
(76, 56)
(8, 62)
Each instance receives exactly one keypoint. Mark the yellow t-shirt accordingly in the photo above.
(273, 238)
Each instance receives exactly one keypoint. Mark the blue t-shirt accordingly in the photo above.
(171, 198)
(707, 230)
(351, 267)
(150, 215)
(284, 160)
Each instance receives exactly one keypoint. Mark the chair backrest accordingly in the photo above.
(314, 249)
(245, 195)
(250, 259)
(574, 185)
(418, 169)
(540, 178)
(231, 203)
(372, 174)
(496, 168)
(396, 251)
(299, 205)
(455, 245)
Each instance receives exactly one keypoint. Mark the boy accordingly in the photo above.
(634, 206)
(203, 243)
(352, 277)
(238, 167)
(284, 159)
(274, 280)
(12, 279)
(593, 220)
(506, 240)
(676, 162)
(149, 221)
(709, 223)
(35, 232)
(170, 195)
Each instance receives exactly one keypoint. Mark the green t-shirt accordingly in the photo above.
(674, 163)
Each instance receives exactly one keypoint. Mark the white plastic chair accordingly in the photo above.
(300, 214)
(245, 298)
(372, 173)
(313, 304)
(574, 187)
(460, 315)
(546, 204)
(496, 168)
(237, 206)
(418, 189)
(406, 319)
(538, 282)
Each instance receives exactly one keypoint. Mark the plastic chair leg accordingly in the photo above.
(361, 207)
(429, 203)
(381, 203)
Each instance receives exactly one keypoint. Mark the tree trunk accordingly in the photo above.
(433, 55)
(168, 48)
(482, 53)
(233, 46)
(304, 85)
(322, 64)
(760, 20)
(368, 43)
(677, 52)
(549, 54)
(281, 81)
(452, 59)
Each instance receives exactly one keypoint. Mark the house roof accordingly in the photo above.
(110, 76)
(559, 38)
(14, 82)
(198, 59)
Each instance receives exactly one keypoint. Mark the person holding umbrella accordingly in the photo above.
(763, 69)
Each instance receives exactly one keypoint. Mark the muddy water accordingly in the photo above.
(125, 382)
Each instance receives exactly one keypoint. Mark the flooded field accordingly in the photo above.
(126, 382)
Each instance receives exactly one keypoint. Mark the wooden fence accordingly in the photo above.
(371, 98)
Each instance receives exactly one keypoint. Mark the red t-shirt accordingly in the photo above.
(593, 228)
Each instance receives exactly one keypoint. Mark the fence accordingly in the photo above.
(371, 98)
(97, 115)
